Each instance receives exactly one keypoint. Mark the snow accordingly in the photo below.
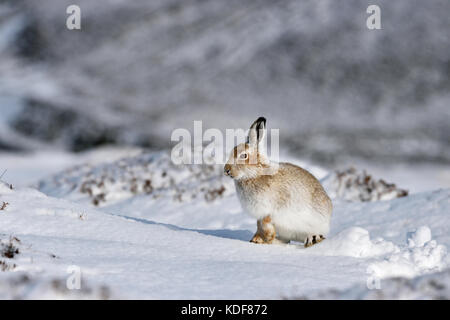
(355, 242)
(430, 286)
(411, 262)
(419, 237)
(167, 244)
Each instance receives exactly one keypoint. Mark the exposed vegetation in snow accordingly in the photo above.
(358, 185)
(151, 174)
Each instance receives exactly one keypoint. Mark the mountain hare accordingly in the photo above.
(288, 202)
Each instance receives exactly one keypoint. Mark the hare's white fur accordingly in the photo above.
(288, 199)
(295, 201)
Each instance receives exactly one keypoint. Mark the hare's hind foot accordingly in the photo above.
(312, 240)
(266, 231)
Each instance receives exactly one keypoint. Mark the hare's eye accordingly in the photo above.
(243, 156)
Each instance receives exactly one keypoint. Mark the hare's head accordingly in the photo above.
(249, 160)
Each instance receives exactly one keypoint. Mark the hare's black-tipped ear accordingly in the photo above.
(257, 131)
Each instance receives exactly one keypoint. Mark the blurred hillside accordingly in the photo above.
(138, 69)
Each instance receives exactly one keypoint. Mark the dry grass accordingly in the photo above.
(4, 205)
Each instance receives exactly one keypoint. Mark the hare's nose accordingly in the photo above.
(227, 169)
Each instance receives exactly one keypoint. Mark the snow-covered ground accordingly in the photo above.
(140, 227)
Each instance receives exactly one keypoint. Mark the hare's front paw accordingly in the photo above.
(311, 240)
(266, 231)
(257, 239)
